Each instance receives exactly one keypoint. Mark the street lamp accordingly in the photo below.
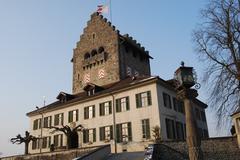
(41, 128)
(184, 77)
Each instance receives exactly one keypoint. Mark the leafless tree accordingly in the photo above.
(71, 134)
(27, 139)
(217, 43)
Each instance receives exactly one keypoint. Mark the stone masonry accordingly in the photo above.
(103, 56)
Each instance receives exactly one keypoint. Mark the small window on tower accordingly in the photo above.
(87, 55)
(94, 52)
(93, 37)
(100, 49)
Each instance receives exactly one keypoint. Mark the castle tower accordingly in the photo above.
(103, 56)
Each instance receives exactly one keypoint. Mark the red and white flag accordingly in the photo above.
(102, 9)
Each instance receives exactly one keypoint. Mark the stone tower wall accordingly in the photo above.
(103, 68)
(134, 60)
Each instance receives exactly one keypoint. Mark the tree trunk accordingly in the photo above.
(26, 148)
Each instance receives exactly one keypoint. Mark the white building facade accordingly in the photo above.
(140, 104)
(114, 97)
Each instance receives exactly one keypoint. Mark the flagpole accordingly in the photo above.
(110, 10)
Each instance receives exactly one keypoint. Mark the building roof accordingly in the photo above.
(126, 84)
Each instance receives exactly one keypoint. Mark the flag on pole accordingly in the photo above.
(102, 9)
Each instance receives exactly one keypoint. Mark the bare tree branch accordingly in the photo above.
(217, 43)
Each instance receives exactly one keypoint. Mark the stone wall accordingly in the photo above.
(98, 33)
(221, 148)
(61, 155)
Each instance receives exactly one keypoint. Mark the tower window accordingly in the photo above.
(94, 52)
(100, 49)
(87, 55)
(93, 37)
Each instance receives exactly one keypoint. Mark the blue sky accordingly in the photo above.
(37, 38)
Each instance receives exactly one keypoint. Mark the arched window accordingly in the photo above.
(94, 52)
(100, 49)
(87, 55)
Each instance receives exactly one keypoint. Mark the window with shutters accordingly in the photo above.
(58, 140)
(143, 99)
(58, 119)
(73, 116)
(35, 144)
(167, 100)
(89, 136)
(46, 142)
(146, 129)
(179, 131)
(175, 104)
(105, 108)
(181, 108)
(124, 132)
(170, 128)
(178, 106)
(37, 123)
(106, 133)
(122, 104)
(89, 112)
(47, 121)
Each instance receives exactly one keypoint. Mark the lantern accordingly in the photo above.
(184, 77)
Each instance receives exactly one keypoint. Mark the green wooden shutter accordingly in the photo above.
(49, 142)
(101, 109)
(119, 135)
(35, 124)
(85, 113)
(110, 107)
(77, 115)
(102, 133)
(62, 121)
(138, 100)
(111, 132)
(85, 136)
(118, 105)
(94, 135)
(127, 103)
(129, 131)
(56, 119)
(149, 98)
(170, 103)
(93, 110)
(148, 136)
(70, 116)
(55, 140)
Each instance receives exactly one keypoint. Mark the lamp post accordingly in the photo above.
(41, 134)
(185, 80)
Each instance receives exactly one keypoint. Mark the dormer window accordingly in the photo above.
(91, 89)
(64, 97)
(91, 92)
